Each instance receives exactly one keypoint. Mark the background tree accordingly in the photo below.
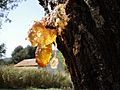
(5, 7)
(21, 53)
(30, 52)
(18, 54)
(61, 59)
(2, 50)
(90, 42)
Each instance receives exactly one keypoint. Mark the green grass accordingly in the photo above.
(33, 89)
(13, 78)
(40, 89)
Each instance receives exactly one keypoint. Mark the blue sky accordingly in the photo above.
(14, 33)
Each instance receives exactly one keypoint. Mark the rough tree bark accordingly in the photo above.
(91, 44)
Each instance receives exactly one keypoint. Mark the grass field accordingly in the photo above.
(32, 79)
(33, 89)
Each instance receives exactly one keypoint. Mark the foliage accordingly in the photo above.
(21, 53)
(61, 59)
(43, 55)
(9, 4)
(3, 62)
(18, 54)
(16, 78)
(5, 7)
(2, 50)
(42, 36)
(30, 51)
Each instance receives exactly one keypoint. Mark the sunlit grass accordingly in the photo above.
(13, 78)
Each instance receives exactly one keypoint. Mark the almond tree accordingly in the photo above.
(90, 43)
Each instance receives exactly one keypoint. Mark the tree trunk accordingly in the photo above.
(91, 44)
